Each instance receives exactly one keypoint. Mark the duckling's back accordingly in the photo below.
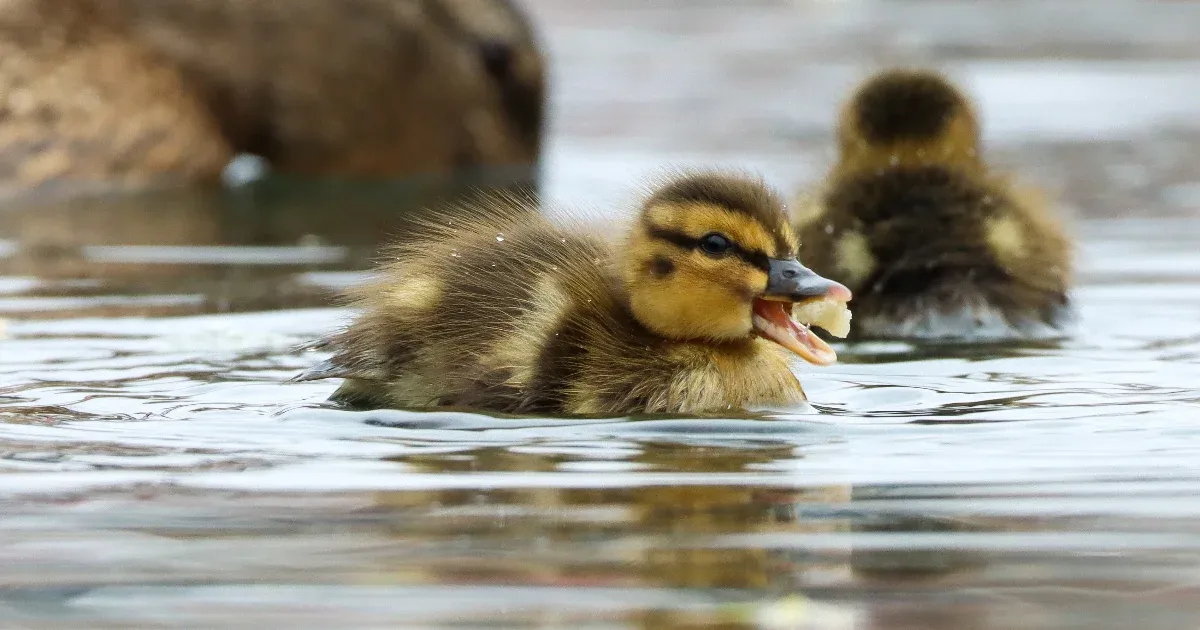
(465, 313)
(932, 244)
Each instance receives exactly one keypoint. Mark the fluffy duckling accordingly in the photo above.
(932, 242)
(494, 307)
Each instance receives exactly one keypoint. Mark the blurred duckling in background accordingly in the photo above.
(932, 242)
(494, 307)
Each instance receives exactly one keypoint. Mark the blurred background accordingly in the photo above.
(187, 184)
(141, 134)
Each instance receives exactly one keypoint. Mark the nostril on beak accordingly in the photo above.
(790, 273)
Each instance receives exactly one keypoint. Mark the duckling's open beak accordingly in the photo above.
(789, 282)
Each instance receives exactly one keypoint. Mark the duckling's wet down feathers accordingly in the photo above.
(496, 307)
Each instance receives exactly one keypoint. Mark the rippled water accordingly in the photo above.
(158, 471)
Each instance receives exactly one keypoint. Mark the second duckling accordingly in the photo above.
(495, 307)
(933, 243)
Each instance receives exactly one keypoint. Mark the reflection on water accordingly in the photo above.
(271, 244)
(158, 471)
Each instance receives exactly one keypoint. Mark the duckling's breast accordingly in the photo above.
(750, 373)
(960, 304)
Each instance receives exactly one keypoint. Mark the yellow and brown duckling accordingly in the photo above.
(495, 307)
(933, 243)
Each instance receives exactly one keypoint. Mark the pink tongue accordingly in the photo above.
(779, 313)
(798, 338)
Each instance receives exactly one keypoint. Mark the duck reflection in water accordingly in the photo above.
(762, 542)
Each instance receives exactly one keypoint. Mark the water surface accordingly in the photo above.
(158, 471)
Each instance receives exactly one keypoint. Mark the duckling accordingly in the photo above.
(493, 306)
(933, 243)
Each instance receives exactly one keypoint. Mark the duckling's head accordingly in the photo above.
(907, 117)
(713, 258)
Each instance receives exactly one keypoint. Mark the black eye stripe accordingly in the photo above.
(756, 259)
(679, 239)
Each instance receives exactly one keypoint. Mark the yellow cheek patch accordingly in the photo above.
(729, 271)
(854, 259)
(703, 298)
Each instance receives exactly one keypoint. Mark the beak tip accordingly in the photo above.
(839, 292)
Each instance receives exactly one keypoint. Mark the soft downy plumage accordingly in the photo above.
(493, 306)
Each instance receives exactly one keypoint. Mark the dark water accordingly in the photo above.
(157, 471)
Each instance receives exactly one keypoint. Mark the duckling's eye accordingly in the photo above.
(715, 244)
